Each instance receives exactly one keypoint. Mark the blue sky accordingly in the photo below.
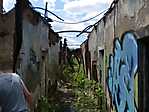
(70, 11)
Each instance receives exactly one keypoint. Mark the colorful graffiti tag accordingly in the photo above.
(123, 66)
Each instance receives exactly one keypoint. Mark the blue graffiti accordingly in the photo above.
(121, 73)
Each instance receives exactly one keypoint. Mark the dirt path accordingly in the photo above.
(63, 99)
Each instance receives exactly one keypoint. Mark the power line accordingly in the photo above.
(68, 36)
(48, 11)
(108, 11)
(82, 20)
(85, 30)
(73, 44)
(66, 31)
(63, 22)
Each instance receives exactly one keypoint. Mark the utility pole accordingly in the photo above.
(18, 32)
(65, 50)
(1, 6)
(46, 7)
(61, 53)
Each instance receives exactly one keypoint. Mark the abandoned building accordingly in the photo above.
(29, 46)
(116, 54)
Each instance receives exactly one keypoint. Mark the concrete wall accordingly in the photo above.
(126, 15)
(38, 62)
(83, 50)
(32, 57)
(38, 59)
(7, 32)
(53, 62)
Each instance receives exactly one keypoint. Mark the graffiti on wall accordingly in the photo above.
(123, 66)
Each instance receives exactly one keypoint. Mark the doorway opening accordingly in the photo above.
(143, 77)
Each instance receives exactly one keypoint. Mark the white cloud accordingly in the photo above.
(8, 4)
(72, 41)
(74, 27)
(78, 10)
(34, 0)
(82, 5)
(74, 11)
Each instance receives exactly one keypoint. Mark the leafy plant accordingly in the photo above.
(89, 95)
(43, 105)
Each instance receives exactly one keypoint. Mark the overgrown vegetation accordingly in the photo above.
(51, 106)
(88, 94)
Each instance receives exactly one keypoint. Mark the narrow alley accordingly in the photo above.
(74, 55)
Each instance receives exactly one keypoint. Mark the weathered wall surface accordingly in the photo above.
(53, 57)
(39, 55)
(32, 63)
(126, 15)
(38, 60)
(7, 32)
(33, 53)
(83, 50)
(53, 62)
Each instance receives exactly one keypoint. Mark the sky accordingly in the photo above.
(70, 11)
